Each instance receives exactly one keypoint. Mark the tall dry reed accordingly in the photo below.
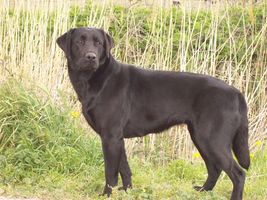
(27, 52)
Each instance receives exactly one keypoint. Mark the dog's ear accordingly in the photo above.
(109, 43)
(64, 42)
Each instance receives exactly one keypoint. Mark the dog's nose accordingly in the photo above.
(90, 56)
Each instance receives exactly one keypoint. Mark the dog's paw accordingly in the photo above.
(107, 191)
(125, 187)
(199, 188)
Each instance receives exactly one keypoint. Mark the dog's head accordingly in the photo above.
(86, 48)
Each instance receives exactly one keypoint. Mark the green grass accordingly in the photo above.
(46, 153)
(39, 139)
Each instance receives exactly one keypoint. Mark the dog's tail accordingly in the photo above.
(240, 142)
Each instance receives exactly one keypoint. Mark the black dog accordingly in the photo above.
(122, 101)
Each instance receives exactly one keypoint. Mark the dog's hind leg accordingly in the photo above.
(213, 170)
(214, 138)
(225, 161)
(237, 176)
(213, 175)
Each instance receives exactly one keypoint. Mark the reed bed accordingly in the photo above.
(228, 43)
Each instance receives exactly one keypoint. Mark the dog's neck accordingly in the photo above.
(89, 83)
(98, 78)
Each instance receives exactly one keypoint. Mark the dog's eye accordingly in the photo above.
(80, 42)
(97, 43)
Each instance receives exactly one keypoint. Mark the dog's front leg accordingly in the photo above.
(112, 145)
(125, 171)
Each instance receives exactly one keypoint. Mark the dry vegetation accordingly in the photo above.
(29, 54)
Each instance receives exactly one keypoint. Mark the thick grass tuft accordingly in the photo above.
(37, 137)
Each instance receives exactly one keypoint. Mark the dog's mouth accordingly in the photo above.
(84, 65)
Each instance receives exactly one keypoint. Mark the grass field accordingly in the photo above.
(46, 148)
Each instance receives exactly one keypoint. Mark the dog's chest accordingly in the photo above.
(88, 98)
(89, 115)
(80, 85)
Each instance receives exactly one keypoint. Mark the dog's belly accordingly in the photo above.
(139, 127)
